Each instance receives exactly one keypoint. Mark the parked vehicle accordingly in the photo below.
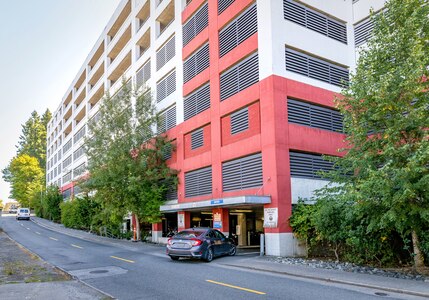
(202, 243)
(23, 213)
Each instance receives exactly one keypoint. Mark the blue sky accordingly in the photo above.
(43, 44)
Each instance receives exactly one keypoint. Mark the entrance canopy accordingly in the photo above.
(213, 203)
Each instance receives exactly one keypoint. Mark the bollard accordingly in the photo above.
(262, 245)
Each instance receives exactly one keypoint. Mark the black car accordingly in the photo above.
(202, 243)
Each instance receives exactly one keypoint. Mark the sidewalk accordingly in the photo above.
(404, 286)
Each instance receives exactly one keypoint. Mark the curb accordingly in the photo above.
(59, 268)
(387, 289)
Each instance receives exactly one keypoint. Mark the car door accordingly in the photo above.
(215, 242)
(223, 245)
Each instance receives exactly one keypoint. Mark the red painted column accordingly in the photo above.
(186, 220)
(221, 217)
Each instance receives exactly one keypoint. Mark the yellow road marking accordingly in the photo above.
(236, 287)
(115, 257)
(38, 232)
(53, 238)
(76, 246)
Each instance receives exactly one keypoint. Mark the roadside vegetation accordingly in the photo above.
(377, 210)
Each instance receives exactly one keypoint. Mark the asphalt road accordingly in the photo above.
(150, 274)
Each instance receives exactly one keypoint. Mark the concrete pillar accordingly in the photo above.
(156, 232)
(183, 220)
(242, 235)
(221, 220)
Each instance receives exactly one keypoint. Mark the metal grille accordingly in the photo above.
(363, 31)
(166, 86)
(171, 193)
(307, 114)
(242, 173)
(167, 119)
(197, 139)
(79, 170)
(316, 68)
(67, 162)
(78, 153)
(307, 165)
(222, 5)
(196, 24)
(239, 77)
(238, 31)
(167, 152)
(240, 121)
(80, 134)
(197, 63)
(197, 102)
(167, 52)
(143, 75)
(198, 182)
(67, 177)
(311, 19)
(67, 146)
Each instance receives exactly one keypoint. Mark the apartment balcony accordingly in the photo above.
(165, 12)
(143, 15)
(118, 68)
(121, 38)
(67, 101)
(118, 24)
(97, 75)
(143, 43)
(96, 94)
(95, 68)
(96, 58)
(79, 83)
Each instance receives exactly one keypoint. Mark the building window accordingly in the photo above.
(80, 134)
(167, 52)
(167, 152)
(242, 173)
(222, 5)
(307, 114)
(306, 165)
(238, 31)
(316, 68)
(166, 86)
(240, 121)
(197, 139)
(197, 102)
(198, 182)
(67, 177)
(314, 20)
(239, 77)
(196, 63)
(67, 162)
(167, 119)
(79, 170)
(196, 24)
(143, 75)
(66, 193)
(67, 146)
(78, 153)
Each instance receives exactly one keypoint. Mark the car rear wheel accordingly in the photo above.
(174, 257)
(232, 251)
(209, 255)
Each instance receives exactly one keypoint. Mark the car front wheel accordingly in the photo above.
(232, 251)
(209, 255)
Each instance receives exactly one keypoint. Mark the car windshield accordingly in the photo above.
(188, 234)
(23, 211)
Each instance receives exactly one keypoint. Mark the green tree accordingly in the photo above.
(25, 177)
(126, 165)
(385, 110)
(51, 201)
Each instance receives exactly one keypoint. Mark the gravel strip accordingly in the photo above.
(347, 267)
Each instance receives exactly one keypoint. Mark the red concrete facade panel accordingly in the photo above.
(204, 148)
(232, 11)
(241, 148)
(302, 91)
(67, 186)
(245, 97)
(243, 50)
(254, 126)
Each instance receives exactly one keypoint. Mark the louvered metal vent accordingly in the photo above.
(197, 63)
(307, 165)
(198, 182)
(314, 20)
(197, 102)
(222, 5)
(238, 31)
(167, 152)
(196, 24)
(166, 86)
(316, 68)
(239, 77)
(143, 75)
(242, 173)
(363, 31)
(197, 139)
(171, 193)
(240, 121)
(167, 52)
(167, 119)
(314, 116)
(80, 134)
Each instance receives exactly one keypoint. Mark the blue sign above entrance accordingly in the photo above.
(219, 201)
